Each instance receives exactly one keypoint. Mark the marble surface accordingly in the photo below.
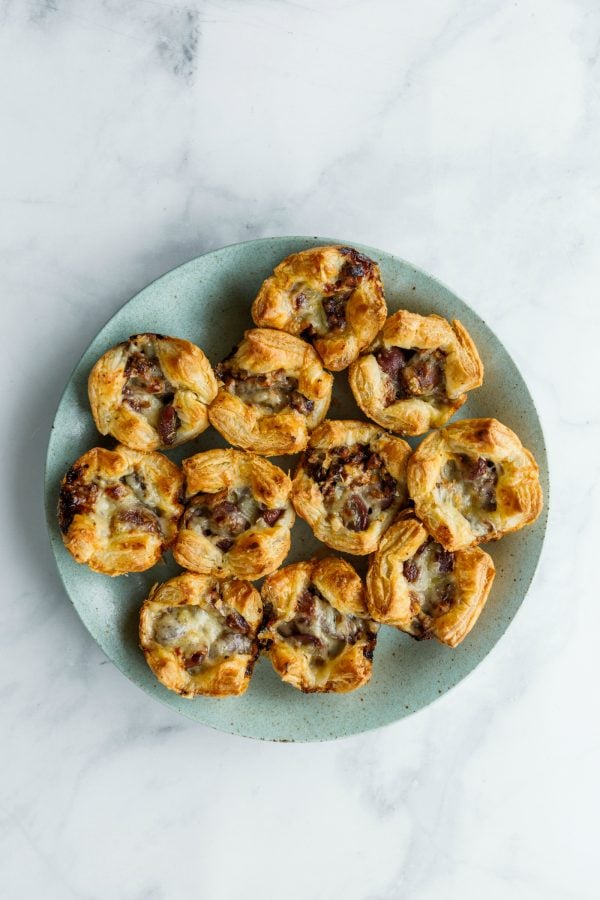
(461, 136)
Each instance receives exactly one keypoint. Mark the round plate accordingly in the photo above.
(208, 302)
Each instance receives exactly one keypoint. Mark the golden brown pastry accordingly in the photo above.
(273, 391)
(473, 481)
(415, 374)
(350, 484)
(152, 392)
(417, 586)
(316, 629)
(238, 515)
(198, 634)
(332, 296)
(118, 510)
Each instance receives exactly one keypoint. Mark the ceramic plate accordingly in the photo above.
(208, 302)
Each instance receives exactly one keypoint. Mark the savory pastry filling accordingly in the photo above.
(123, 504)
(322, 631)
(470, 485)
(202, 637)
(320, 312)
(412, 373)
(354, 483)
(432, 591)
(225, 515)
(148, 391)
(272, 391)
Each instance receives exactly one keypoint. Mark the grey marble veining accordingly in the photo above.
(463, 137)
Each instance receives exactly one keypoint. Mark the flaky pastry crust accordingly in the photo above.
(118, 510)
(414, 375)
(273, 391)
(198, 634)
(316, 631)
(152, 392)
(474, 481)
(332, 296)
(238, 515)
(350, 483)
(422, 589)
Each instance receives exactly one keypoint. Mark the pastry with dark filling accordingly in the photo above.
(416, 373)
(238, 515)
(331, 296)
(273, 391)
(118, 510)
(198, 634)
(473, 481)
(416, 585)
(316, 630)
(350, 483)
(152, 392)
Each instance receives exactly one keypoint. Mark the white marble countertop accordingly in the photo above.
(461, 136)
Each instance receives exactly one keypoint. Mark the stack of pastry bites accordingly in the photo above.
(419, 515)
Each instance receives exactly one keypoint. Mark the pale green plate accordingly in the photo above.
(208, 302)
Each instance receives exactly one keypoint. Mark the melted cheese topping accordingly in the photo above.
(431, 585)
(455, 490)
(199, 635)
(322, 630)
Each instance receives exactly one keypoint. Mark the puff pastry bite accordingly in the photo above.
(152, 392)
(415, 374)
(474, 481)
(416, 585)
(316, 630)
(238, 515)
(273, 392)
(198, 634)
(331, 296)
(118, 510)
(350, 484)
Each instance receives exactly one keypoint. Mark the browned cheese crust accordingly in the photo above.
(414, 375)
(416, 585)
(198, 634)
(332, 296)
(273, 391)
(317, 632)
(118, 510)
(350, 483)
(474, 481)
(152, 392)
(238, 515)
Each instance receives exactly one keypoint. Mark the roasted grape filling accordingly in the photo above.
(123, 502)
(322, 630)
(432, 590)
(148, 392)
(273, 391)
(354, 483)
(203, 637)
(412, 373)
(223, 516)
(471, 485)
(319, 312)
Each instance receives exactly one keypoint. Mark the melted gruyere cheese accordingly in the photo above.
(195, 632)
